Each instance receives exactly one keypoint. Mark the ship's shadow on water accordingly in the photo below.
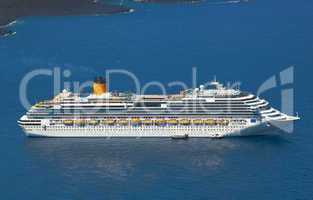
(119, 159)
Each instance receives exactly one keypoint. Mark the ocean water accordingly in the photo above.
(246, 42)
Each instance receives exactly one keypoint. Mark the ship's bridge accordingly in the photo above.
(213, 89)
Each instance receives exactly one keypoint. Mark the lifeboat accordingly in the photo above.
(185, 136)
(147, 122)
(135, 121)
(210, 122)
(68, 122)
(184, 121)
(108, 122)
(122, 122)
(172, 121)
(224, 122)
(80, 122)
(218, 122)
(197, 121)
(160, 122)
(93, 122)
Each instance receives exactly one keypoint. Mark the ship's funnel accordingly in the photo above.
(99, 86)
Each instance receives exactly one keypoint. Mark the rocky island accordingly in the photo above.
(10, 10)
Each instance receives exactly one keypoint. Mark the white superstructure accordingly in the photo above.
(214, 112)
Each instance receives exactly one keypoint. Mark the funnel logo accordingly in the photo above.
(285, 81)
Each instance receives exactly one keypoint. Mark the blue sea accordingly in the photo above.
(247, 42)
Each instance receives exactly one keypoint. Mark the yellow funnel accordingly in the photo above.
(99, 86)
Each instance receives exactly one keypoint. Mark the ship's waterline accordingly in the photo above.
(214, 112)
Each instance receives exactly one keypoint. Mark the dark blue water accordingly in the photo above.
(247, 42)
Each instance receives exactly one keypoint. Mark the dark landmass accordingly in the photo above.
(167, 1)
(194, 1)
(5, 32)
(11, 10)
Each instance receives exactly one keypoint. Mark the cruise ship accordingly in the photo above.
(214, 111)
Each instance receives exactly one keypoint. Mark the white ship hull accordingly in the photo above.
(199, 112)
(137, 132)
